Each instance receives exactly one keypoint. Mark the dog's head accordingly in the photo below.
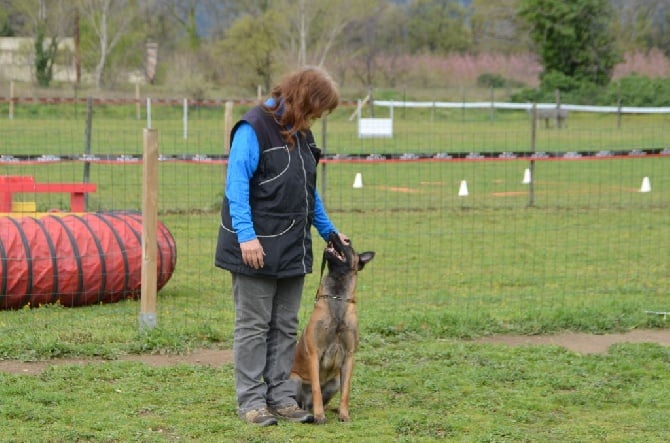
(341, 256)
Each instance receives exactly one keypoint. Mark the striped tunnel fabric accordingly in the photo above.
(77, 260)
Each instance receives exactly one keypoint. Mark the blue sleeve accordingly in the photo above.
(321, 221)
(242, 163)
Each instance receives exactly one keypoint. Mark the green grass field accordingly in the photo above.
(58, 129)
(590, 254)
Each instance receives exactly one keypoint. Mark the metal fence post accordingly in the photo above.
(87, 146)
(533, 129)
(324, 146)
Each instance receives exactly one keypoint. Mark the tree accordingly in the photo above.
(496, 27)
(6, 25)
(193, 17)
(252, 49)
(574, 39)
(437, 27)
(316, 26)
(643, 24)
(110, 20)
(45, 55)
(47, 23)
(183, 12)
(374, 44)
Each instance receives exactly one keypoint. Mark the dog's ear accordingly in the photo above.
(365, 257)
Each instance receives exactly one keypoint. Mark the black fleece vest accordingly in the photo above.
(281, 196)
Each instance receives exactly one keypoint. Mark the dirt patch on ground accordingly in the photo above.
(583, 343)
(205, 357)
(577, 342)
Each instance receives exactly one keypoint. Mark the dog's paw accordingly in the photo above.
(319, 420)
(344, 418)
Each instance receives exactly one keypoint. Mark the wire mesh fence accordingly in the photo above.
(473, 214)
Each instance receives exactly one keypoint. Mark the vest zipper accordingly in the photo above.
(304, 231)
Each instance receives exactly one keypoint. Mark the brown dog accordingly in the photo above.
(324, 358)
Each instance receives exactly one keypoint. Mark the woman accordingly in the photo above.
(264, 240)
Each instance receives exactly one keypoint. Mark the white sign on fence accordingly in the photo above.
(375, 127)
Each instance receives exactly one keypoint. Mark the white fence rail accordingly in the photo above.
(521, 106)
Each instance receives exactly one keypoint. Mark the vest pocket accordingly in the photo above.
(275, 162)
(271, 225)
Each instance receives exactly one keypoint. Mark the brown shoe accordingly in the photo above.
(260, 417)
(293, 413)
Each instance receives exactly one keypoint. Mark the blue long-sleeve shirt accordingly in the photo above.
(242, 164)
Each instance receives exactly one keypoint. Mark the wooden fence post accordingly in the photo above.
(138, 106)
(11, 100)
(149, 282)
(148, 112)
(492, 112)
(463, 106)
(557, 119)
(185, 118)
(227, 126)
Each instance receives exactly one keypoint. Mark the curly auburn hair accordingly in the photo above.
(300, 98)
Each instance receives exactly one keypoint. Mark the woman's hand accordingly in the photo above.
(252, 253)
(344, 238)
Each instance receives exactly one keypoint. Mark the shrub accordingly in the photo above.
(637, 90)
(490, 80)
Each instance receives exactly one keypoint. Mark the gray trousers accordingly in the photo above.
(266, 329)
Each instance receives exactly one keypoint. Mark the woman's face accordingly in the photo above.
(317, 116)
(314, 118)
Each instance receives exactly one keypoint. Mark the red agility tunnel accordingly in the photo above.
(76, 260)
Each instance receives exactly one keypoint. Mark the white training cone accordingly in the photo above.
(358, 181)
(526, 177)
(646, 185)
(463, 189)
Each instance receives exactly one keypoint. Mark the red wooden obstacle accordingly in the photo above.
(13, 184)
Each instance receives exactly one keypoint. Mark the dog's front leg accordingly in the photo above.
(317, 397)
(345, 385)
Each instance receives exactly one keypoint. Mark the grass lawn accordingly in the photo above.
(409, 389)
(585, 252)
